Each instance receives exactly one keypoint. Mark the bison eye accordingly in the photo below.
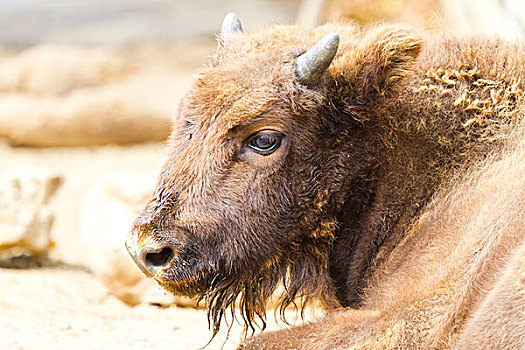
(264, 142)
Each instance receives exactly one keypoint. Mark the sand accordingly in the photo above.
(67, 308)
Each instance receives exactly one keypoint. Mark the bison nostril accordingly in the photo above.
(152, 259)
(159, 259)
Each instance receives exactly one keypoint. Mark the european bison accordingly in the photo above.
(382, 172)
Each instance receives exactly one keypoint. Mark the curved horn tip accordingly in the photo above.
(313, 63)
(231, 24)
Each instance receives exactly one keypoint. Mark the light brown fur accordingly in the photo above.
(398, 196)
(456, 281)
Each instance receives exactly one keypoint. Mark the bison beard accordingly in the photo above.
(381, 172)
(253, 294)
(301, 279)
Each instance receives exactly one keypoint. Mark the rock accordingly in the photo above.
(25, 217)
(101, 116)
(108, 211)
(53, 96)
(54, 70)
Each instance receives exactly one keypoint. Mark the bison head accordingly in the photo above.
(267, 148)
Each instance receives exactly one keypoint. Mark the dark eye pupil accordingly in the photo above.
(264, 141)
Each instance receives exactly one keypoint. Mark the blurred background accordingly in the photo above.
(87, 90)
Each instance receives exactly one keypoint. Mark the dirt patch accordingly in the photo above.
(64, 308)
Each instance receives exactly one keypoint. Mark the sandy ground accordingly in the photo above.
(66, 308)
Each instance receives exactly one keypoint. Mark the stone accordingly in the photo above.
(56, 96)
(26, 220)
(56, 70)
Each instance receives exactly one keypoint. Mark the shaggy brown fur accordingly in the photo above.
(397, 195)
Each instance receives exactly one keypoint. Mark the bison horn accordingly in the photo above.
(231, 24)
(314, 62)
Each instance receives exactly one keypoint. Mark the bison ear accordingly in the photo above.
(378, 66)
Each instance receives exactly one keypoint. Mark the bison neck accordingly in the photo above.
(369, 230)
(372, 222)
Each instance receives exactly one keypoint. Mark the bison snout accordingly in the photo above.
(152, 259)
